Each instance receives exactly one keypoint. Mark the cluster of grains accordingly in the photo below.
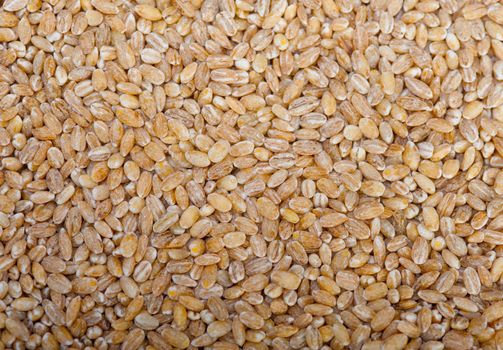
(240, 174)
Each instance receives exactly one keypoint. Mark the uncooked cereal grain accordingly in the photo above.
(251, 174)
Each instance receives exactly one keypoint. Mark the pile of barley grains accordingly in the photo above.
(251, 174)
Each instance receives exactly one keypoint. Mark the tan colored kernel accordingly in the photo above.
(219, 202)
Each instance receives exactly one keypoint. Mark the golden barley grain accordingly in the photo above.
(232, 174)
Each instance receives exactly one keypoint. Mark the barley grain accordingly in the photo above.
(235, 174)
